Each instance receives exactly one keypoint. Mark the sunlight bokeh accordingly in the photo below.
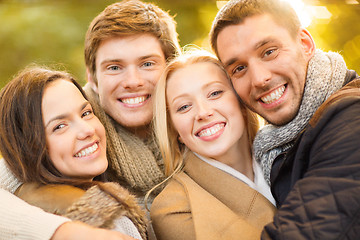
(57, 37)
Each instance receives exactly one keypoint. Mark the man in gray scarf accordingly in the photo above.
(309, 151)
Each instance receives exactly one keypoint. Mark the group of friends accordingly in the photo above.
(178, 133)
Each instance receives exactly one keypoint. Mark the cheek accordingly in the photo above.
(100, 129)
(51, 147)
(183, 126)
(242, 89)
(154, 78)
(60, 146)
(55, 152)
(107, 84)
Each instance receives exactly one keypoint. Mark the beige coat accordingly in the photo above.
(203, 202)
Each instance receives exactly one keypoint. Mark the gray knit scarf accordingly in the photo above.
(136, 164)
(325, 75)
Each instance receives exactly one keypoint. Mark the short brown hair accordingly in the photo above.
(236, 11)
(126, 18)
(22, 131)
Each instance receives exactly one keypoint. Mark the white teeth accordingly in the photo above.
(274, 96)
(135, 100)
(211, 131)
(87, 151)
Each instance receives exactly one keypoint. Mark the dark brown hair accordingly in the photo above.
(22, 132)
(130, 17)
(236, 11)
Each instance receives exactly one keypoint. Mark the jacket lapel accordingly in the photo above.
(221, 204)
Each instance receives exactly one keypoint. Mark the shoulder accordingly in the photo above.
(332, 139)
(174, 194)
(170, 210)
(343, 104)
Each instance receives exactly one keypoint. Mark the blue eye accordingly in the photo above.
(183, 108)
(216, 93)
(148, 64)
(113, 68)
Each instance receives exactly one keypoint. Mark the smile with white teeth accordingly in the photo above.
(87, 151)
(133, 101)
(274, 95)
(211, 131)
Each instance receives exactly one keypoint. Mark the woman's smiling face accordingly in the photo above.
(75, 137)
(204, 110)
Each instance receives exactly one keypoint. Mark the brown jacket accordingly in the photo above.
(203, 202)
(98, 206)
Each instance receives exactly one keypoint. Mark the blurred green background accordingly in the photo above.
(51, 32)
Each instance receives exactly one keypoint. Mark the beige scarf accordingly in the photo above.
(135, 164)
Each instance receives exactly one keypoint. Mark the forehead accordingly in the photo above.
(194, 76)
(129, 47)
(247, 35)
(60, 96)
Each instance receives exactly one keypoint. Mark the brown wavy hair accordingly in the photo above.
(22, 131)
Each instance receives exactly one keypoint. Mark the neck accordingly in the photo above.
(240, 159)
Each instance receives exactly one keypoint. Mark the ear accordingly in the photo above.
(307, 43)
(180, 140)
(91, 81)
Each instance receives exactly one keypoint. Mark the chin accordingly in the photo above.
(282, 119)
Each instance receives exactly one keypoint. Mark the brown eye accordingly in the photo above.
(271, 53)
(58, 127)
(238, 69)
(87, 113)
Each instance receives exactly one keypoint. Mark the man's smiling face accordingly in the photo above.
(267, 65)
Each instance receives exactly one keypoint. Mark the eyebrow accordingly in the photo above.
(255, 47)
(203, 87)
(62, 116)
(105, 61)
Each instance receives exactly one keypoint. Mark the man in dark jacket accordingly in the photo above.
(313, 169)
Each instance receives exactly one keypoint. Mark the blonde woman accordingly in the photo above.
(205, 134)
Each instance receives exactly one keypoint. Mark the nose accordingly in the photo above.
(132, 78)
(84, 129)
(204, 110)
(260, 75)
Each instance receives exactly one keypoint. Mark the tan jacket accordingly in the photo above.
(203, 202)
(98, 206)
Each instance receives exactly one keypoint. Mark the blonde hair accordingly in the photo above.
(172, 150)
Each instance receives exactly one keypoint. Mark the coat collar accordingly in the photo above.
(221, 204)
